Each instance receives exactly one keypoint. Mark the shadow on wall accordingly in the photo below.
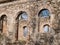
(6, 1)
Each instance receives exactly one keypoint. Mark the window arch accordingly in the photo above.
(44, 13)
(3, 23)
(25, 31)
(22, 15)
(46, 28)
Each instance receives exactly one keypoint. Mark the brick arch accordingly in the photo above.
(3, 16)
(46, 27)
(21, 12)
(43, 10)
(46, 6)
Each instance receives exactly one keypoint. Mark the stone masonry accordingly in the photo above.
(11, 11)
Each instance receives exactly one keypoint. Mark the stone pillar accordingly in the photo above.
(11, 29)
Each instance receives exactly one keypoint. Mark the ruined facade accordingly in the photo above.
(17, 16)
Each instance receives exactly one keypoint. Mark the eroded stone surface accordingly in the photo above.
(34, 23)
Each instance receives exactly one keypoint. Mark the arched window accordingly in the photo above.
(46, 28)
(23, 15)
(44, 13)
(3, 23)
(25, 31)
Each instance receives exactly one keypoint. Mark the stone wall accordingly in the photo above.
(32, 8)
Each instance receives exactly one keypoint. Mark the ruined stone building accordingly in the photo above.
(21, 18)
